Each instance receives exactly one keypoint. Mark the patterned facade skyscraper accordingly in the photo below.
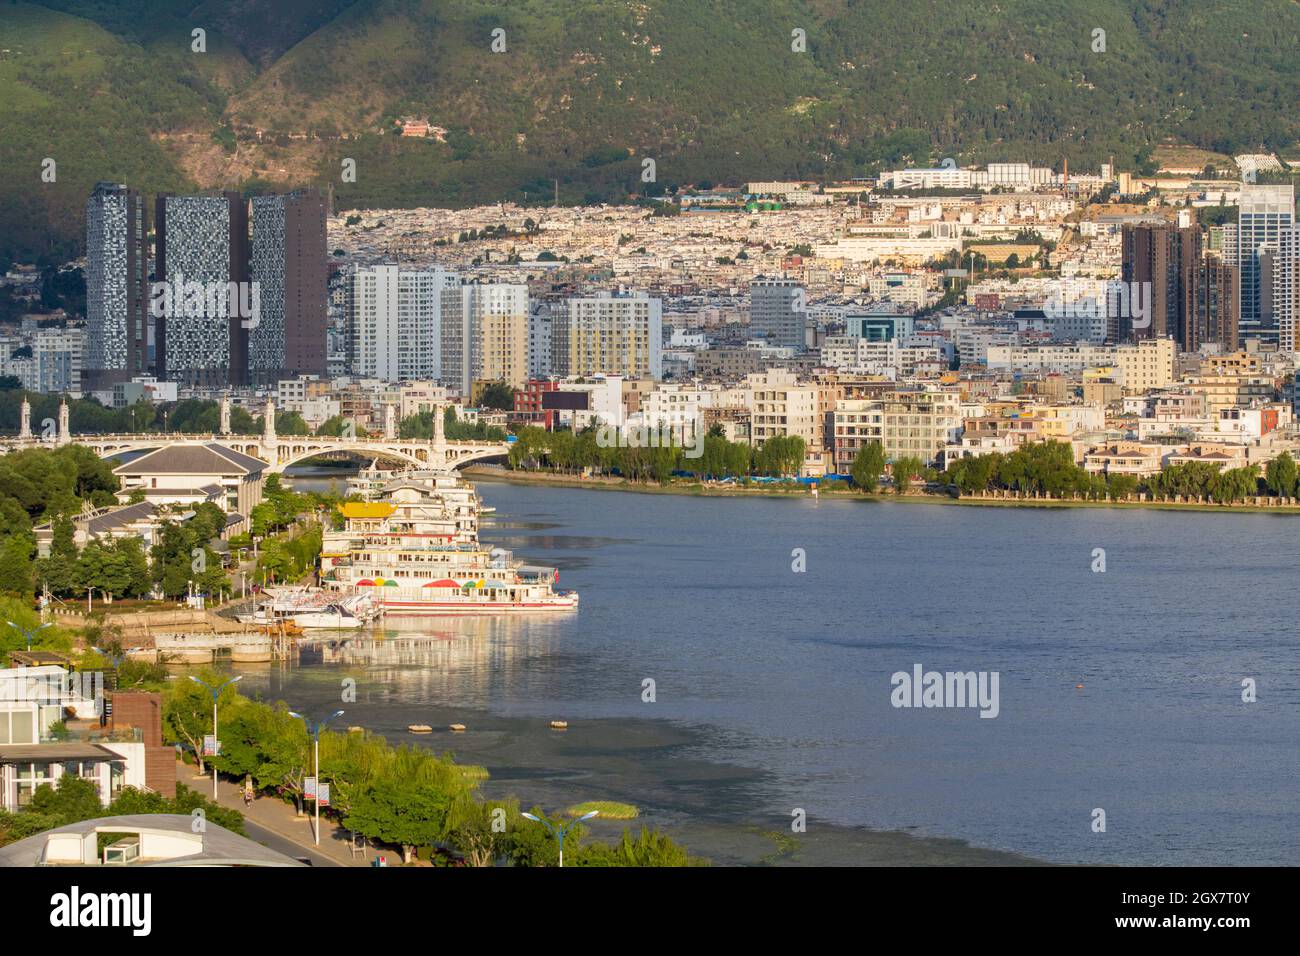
(117, 286)
(201, 274)
(289, 270)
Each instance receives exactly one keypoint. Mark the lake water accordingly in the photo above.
(780, 681)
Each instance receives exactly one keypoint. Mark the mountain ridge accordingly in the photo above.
(586, 89)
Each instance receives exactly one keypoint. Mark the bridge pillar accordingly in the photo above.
(390, 422)
(25, 424)
(438, 446)
(225, 414)
(270, 449)
(65, 433)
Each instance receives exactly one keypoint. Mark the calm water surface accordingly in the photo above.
(788, 674)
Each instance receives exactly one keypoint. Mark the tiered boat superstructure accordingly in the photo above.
(415, 551)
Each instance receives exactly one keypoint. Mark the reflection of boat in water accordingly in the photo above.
(448, 643)
(415, 552)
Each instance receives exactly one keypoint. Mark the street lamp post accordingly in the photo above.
(314, 728)
(29, 633)
(216, 692)
(563, 830)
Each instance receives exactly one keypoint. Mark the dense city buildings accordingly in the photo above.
(1022, 305)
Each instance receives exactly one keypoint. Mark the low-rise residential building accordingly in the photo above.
(1138, 459)
(780, 405)
(193, 474)
(855, 422)
(920, 422)
(119, 746)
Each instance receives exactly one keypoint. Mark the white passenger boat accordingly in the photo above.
(415, 551)
(316, 608)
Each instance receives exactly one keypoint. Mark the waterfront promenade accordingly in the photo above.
(278, 818)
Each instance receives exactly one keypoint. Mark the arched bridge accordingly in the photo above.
(278, 451)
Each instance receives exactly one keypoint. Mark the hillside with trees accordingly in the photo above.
(584, 92)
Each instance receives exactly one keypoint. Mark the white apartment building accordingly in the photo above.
(976, 345)
(908, 288)
(1145, 366)
(679, 406)
(877, 248)
(1286, 287)
(855, 423)
(942, 177)
(417, 397)
(541, 322)
(394, 318)
(780, 405)
(610, 334)
(604, 403)
(54, 365)
(485, 336)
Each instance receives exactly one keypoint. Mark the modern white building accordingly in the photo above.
(1264, 214)
(485, 336)
(395, 318)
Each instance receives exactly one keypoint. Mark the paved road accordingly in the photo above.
(274, 823)
(274, 841)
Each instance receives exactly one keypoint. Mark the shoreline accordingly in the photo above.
(550, 479)
(628, 760)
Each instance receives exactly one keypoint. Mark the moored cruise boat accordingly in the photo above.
(415, 551)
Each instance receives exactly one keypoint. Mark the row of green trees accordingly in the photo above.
(420, 425)
(572, 452)
(1049, 468)
(398, 795)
